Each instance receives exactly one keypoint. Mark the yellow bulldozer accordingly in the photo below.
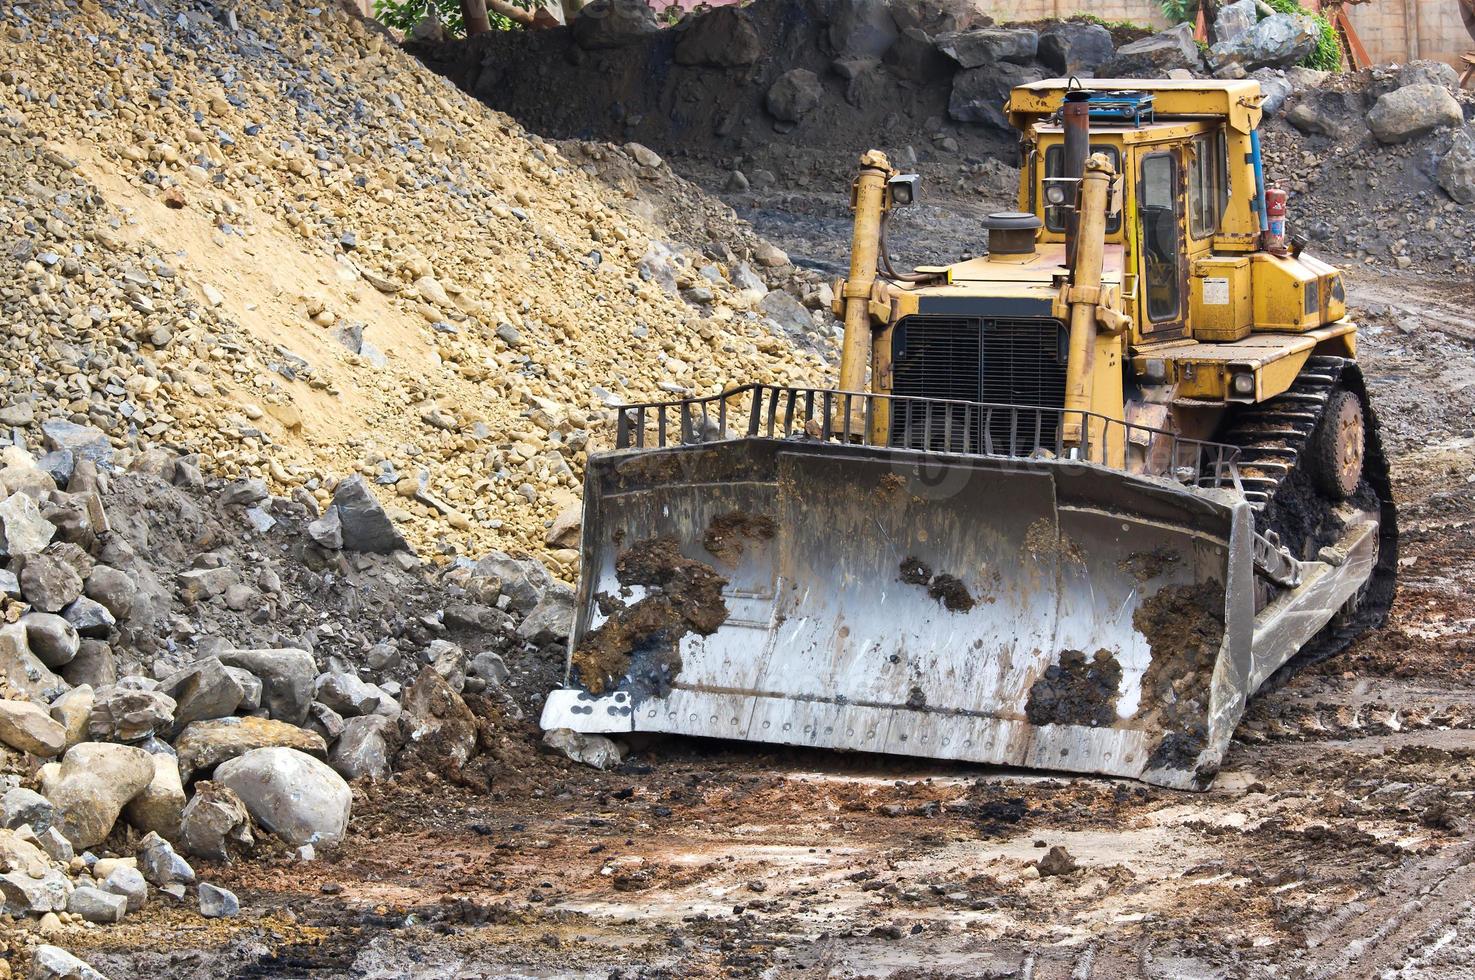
(1069, 506)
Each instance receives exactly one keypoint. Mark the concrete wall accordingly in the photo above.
(1138, 11)
(1403, 30)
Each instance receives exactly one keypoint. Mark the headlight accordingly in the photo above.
(1055, 194)
(1244, 384)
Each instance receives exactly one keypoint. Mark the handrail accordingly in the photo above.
(930, 425)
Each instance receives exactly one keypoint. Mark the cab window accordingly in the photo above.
(1158, 204)
(1055, 167)
(1208, 184)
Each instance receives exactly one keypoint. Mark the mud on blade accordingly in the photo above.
(1045, 614)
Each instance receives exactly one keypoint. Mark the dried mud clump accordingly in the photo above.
(1144, 566)
(1076, 691)
(642, 641)
(727, 532)
(946, 589)
(1184, 626)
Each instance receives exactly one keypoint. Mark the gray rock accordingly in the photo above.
(721, 38)
(293, 795)
(1072, 48)
(1155, 56)
(97, 905)
(1456, 171)
(161, 865)
(51, 637)
(25, 895)
(347, 694)
(287, 676)
(90, 618)
(202, 584)
(244, 493)
(250, 686)
(1278, 41)
(23, 531)
(1429, 73)
(205, 689)
(1235, 20)
(58, 465)
(523, 580)
(606, 24)
(364, 524)
(979, 94)
(363, 750)
(213, 819)
(23, 806)
(94, 665)
(989, 46)
(1399, 116)
(9, 584)
(49, 583)
(794, 94)
(489, 667)
(324, 721)
(1275, 89)
(860, 29)
(130, 884)
(786, 311)
(57, 847)
(1309, 119)
(122, 714)
(115, 589)
(218, 903)
(83, 441)
(552, 619)
(327, 531)
(55, 963)
(591, 750)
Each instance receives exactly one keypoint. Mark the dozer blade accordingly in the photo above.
(1046, 614)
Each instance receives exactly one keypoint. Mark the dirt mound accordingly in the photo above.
(273, 239)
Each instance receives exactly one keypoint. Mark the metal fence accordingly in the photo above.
(929, 425)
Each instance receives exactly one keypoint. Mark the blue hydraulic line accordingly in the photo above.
(1259, 164)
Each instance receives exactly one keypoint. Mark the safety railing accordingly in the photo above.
(931, 425)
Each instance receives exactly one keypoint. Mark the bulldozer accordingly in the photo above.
(1069, 506)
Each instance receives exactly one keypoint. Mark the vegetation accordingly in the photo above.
(403, 15)
(1326, 56)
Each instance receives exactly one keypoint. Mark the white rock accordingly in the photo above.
(291, 794)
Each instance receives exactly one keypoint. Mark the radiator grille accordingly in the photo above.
(1016, 362)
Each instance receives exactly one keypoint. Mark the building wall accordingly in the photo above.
(1403, 30)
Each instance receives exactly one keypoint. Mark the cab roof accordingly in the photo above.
(1235, 101)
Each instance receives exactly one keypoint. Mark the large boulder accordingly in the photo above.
(552, 619)
(365, 747)
(989, 46)
(51, 638)
(126, 714)
(29, 727)
(438, 730)
(349, 695)
(1235, 20)
(90, 787)
(860, 29)
(606, 24)
(363, 522)
(1278, 41)
(203, 745)
(55, 963)
(794, 94)
(913, 56)
(1413, 111)
(213, 819)
(23, 531)
(158, 808)
(287, 676)
(1073, 48)
(1426, 72)
(49, 583)
(1456, 171)
(205, 689)
(979, 94)
(721, 38)
(1155, 56)
(522, 580)
(296, 797)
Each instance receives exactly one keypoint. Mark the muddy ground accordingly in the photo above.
(1338, 842)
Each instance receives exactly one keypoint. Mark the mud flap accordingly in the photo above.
(1047, 614)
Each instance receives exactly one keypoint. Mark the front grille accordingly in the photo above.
(1017, 362)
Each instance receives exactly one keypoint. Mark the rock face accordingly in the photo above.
(439, 731)
(90, 788)
(607, 24)
(364, 524)
(1070, 48)
(287, 676)
(1278, 41)
(1412, 111)
(979, 95)
(214, 818)
(29, 727)
(203, 745)
(1155, 56)
(296, 797)
(860, 29)
(1457, 168)
(725, 38)
(794, 94)
(989, 46)
(914, 56)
